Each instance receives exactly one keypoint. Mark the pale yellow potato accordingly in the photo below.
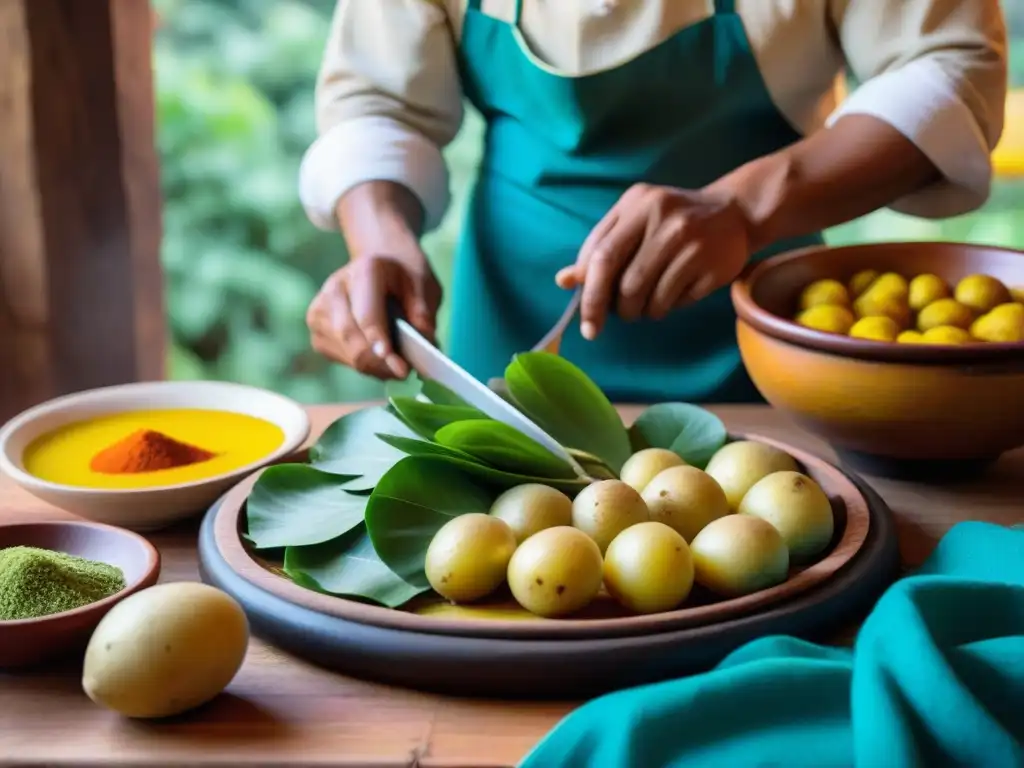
(556, 572)
(685, 499)
(737, 466)
(604, 509)
(468, 557)
(797, 507)
(739, 554)
(642, 466)
(532, 507)
(648, 568)
(165, 650)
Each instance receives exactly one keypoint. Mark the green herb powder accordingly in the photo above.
(38, 582)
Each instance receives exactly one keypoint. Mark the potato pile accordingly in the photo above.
(733, 528)
(924, 310)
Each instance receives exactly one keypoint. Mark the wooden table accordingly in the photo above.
(282, 711)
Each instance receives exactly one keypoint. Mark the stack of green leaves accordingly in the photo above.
(356, 520)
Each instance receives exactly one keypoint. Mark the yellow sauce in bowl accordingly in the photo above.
(63, 455)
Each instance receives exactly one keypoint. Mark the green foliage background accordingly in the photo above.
(235, 112)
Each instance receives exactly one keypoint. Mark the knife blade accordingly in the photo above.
(430, 363)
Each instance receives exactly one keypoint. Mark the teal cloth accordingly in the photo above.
(934, 679)
(559, 152)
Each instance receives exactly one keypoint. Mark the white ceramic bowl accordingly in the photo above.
(146, 509)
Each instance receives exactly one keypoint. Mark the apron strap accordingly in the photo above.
(518, 13)
(474, 5)
(724, 6)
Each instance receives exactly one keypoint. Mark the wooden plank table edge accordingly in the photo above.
(280, 710)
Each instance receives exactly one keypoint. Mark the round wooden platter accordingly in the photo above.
(501, 617)
(496, 649)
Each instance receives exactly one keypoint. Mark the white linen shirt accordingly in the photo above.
(388, 97)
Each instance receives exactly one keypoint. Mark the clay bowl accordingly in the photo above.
(898, 410)
(24, 642)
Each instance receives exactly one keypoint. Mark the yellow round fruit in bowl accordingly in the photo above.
(1017, 294)
(824, 293)
(926, 289)
(861, 281)
(882, 304)
(880, 328)
(945, 312)
(945, 334)
(827, 318)
(981, 293)
(1004, 323)
(890, 284)
(910, 337)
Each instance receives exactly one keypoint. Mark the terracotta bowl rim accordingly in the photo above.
(774, 326)
(152, 569)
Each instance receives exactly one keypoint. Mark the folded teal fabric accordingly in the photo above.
(934, 679)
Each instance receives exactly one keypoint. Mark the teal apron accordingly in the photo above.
(559, 152)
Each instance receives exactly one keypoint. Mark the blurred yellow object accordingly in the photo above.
(876, 302)
(981, 293)
(879, 328)
(944, 312)
(824, 292)
(924, 289)
(1017, 294)
(910, 337)
(828, 318)
(945, 334)
(891, 284)
(1003, 324)
(861, 281)
(1008, 158)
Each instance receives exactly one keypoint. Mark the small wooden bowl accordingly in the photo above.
(909, 410)
(24, 642)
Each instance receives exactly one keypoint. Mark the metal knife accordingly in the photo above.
(430, 363)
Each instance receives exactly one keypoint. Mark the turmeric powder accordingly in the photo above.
(146, 451)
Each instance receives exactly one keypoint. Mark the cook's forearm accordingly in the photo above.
(859, 165)
(381, 218)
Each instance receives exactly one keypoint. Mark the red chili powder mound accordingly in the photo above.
(146, 451)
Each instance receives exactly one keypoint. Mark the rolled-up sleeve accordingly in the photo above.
(936, 70)
(388, 100)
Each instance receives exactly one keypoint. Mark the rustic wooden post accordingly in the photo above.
(81, 299)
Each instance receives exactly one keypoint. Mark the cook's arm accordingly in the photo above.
(388, 100)
(917, 134)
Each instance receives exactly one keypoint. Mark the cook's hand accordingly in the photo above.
(657, 249)
(348, 318)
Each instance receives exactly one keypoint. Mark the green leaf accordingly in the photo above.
(689, 430)
(570, 407)
(440, 394)
(503, 447)
(490, 476)
(426, 418)
(296, 504)
(411, 503)
(350, 447)
(348, 566)
(413, 447)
